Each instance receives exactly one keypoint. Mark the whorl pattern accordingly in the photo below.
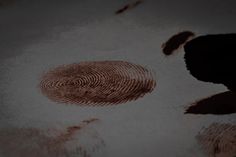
(97, 83)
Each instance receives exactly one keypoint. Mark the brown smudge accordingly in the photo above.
(65, 136)
(88, 121)
(176, 41)
(97, 83)
(32, 142)
(4, 3)
(128, 6)
(222, 103)
(218, 140)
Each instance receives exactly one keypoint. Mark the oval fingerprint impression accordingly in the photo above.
(218, 140)
(97, 83)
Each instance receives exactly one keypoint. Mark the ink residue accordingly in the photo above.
(97, 83)
(128, 6)
(218, 140)
(211, 58)
(176, 41)
(33, 142)
(223, 103)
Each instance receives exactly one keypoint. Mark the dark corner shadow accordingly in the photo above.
(6, 3)
(219, 104)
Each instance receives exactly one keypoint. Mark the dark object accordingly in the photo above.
(212, 58)
(128, 6)
(223, 103)
(176, 41)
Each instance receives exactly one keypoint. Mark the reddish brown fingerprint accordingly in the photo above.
(97, 83)
(33, 142)
(218, 140)
(128, 6)
(176, 41)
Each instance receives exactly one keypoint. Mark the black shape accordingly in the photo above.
(211, 58)
(222, 103)
(128, 6)
(176, 41)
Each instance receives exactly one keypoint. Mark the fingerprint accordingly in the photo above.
(222, 103)
(218, 140)
(34, 142)
(97, 83)
(176, 41)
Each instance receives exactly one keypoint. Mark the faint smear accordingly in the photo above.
(176, 41)
(218, 140)
(97, 83)
(222, 103)
(33, 142)
(128, 6)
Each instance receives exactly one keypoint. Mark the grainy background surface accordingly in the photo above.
(39, 35)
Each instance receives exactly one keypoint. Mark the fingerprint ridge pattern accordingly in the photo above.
(98, 83)
(218, 140)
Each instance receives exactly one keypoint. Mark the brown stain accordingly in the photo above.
(222, 103)
(4, 3)
(33, 142)
(70, 131)
(218, 140)
(176, 41)
(128, 6)
(98, 83)
(91, 120)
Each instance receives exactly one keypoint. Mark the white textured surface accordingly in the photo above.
(89, 30)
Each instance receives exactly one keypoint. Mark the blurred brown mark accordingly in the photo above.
(128, 6)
